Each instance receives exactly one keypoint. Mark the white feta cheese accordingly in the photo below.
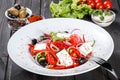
(40, 46)
(85, 49)
(63, 35)
(64, 58)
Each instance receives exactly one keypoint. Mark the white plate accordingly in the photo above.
(27, 10)
(18, 44)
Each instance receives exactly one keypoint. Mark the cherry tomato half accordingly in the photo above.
(92, 4)
(89, 1)
(108, 4)
(97, 1)
(100, 5)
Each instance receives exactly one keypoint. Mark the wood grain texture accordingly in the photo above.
(14, 72)
(3, 62)
(114, 31)
(4, 36)
(45, 10)
(96, 74)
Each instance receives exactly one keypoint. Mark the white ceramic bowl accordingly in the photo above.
(18, 48)
(27, 10)
(103, 23)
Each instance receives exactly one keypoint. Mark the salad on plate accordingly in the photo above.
(61, 50)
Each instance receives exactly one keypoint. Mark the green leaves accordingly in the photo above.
(69, 9)
(101, 14)
(55, 37)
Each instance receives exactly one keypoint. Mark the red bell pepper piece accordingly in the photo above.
(53, 54)
(75, 53)
(75, 39)
(32, 51)
(59, 67)
(50, 59)
(60, 44)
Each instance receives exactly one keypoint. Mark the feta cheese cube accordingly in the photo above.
(85, 49)
(64, 58)
(40, 46)
(63, 35)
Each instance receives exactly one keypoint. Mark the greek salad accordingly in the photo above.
(61, 50)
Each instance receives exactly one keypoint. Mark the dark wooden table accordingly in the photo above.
(10, 71)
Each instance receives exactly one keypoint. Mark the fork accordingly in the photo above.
(103, 63)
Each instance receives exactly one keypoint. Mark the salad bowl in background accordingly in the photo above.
(18, 48)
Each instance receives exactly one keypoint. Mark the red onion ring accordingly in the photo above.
(53, 46)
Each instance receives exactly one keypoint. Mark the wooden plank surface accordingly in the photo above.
(14, 72)
(114, 31)
(4, 36)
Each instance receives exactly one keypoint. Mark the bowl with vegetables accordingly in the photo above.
(18, 12)
(59, 46)
(103, 18)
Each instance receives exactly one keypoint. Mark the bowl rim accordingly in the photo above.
(27, 10)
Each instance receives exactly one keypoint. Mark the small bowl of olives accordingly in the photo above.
(18, 12)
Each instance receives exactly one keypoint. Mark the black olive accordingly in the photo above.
(34, 41)
(27, 14)
(11, 16)
(17, 6)
(66, 31)
(82, 60)
(43, 63)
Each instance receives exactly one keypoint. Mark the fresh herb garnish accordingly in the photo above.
(101, 13)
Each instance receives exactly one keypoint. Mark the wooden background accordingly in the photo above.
(10, 71)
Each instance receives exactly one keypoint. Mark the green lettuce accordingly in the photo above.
(70, 9)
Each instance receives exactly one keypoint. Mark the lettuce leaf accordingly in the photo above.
(70, 9)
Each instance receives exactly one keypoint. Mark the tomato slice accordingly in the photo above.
(76, 64)
(75, 53)
(60, 44)
(75, 39)
(50, 59)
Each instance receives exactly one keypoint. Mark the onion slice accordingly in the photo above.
(74, 30)
(54, 48)
(67, 43)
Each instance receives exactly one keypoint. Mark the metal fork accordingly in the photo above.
(103, 63)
